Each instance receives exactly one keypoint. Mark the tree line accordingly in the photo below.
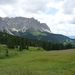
(24, 43)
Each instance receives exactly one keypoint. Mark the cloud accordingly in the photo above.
(68, 6)
(58, 14)
(73, 21)
(3, 2)
(35, 6)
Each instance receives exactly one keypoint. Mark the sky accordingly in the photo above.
(59, 15)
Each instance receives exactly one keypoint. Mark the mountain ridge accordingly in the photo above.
(22, 24)
(31, 28)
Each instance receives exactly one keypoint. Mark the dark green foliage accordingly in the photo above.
(27, 43)
(27, 47)
(52, 46)
(16, 46)
(69, 46)
(24, 43)
(3, 38)
(10, 42)
(7, 53)
(20, 48)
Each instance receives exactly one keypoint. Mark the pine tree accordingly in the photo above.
(27, 43)
(10, 42)
(22, 43)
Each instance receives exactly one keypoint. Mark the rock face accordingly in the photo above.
(21, 24)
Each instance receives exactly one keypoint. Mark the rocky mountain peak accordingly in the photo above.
(22, 24)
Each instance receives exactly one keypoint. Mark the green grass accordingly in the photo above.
(38, 33)
(38, 62)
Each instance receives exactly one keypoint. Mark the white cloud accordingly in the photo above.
(61, 22)
(2, 14)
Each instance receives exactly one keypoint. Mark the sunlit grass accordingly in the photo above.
(38, 62)
(38, 33)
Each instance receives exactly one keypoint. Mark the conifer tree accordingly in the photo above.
(10, 42)
(22, 43)
(27, 43)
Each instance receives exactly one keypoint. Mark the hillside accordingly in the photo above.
(31, 28)
(50, 37)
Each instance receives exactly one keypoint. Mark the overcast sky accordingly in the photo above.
(58, 14)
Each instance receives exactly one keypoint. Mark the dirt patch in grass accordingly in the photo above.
(68, 50)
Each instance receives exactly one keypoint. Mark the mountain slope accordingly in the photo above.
(55, 38)
(31, 28)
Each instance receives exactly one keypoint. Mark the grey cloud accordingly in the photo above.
(30, 6)
(3, 2)
(72, 21)
(35, 6)
(69, 6)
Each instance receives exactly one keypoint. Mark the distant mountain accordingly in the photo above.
(31, 28)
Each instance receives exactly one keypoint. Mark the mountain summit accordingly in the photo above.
(21, 24)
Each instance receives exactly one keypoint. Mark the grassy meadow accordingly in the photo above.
(37, 62)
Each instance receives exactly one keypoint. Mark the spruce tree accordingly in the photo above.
(10, 42)
(27, 43)
(22, 43)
